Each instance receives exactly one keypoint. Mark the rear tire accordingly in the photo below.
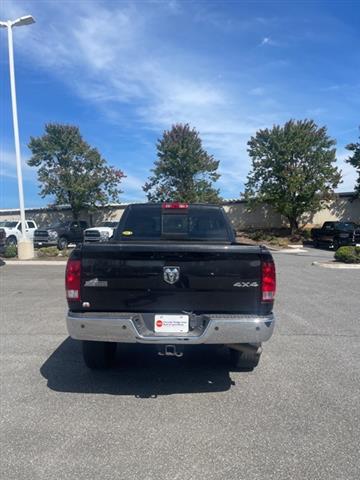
(315, 244)
(244, 360)
(98, 355)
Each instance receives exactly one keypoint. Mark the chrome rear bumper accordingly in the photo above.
(121, 328)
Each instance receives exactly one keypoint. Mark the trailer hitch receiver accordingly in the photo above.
(170, 351)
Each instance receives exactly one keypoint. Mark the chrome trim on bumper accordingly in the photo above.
(221, 329)
(45, 243)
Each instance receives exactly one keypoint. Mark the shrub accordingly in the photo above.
(10, 251)
(278, 236)
(53, 252)
(65, 253)
(48, 252)
(258, 235)
(348, 254)
(282, 242)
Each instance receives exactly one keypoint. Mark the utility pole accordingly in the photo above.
(25, 245)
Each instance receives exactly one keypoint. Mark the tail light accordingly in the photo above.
(72, 279)
(175, 205)
(268, 282)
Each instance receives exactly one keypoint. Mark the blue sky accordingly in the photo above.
(125, 71)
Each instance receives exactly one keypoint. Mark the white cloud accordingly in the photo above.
(132, 188)
(269, 41)
(8, 166)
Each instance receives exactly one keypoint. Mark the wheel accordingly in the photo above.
(98, 355)
(246, 360)
(62, 243)
(336, 245)
(316, 244)
(11, 241)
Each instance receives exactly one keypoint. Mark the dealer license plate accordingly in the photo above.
(171, 323)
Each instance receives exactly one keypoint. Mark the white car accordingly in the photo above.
(13, 231)
(102, 233)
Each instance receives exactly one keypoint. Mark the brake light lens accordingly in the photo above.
(72, 279)
(175, 205)
(268, 282)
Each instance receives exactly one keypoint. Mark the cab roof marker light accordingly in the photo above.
(178, 205)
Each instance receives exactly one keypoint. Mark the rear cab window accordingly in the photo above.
(157, 222)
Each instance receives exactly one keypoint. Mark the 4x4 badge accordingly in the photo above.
(171, 274)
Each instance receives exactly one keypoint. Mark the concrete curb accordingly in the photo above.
(272, 249)
(288, 249)
(59, 263)
(291, 250)
(344, 266)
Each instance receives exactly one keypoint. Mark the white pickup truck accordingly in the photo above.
(13, 230)
(102, 233)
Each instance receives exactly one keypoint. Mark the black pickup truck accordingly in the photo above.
(172, 275)
(336, 234)
(60, 234)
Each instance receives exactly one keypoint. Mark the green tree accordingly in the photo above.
(292, 169)
(354, 160)
(184, 171)
(72, 171)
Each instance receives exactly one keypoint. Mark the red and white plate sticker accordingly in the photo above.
(171, 323)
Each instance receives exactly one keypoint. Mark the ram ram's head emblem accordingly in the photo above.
(171, 274)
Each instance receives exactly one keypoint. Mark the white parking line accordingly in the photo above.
(60, 263)
(336, 265)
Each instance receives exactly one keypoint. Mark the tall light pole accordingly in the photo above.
(25, 246)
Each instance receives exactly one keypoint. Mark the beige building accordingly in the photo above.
(344, 207)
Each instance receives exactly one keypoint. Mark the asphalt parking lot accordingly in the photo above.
(296, 416)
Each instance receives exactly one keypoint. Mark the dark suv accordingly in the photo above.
(60, 234)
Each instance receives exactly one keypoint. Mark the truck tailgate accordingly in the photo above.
(126, 277)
